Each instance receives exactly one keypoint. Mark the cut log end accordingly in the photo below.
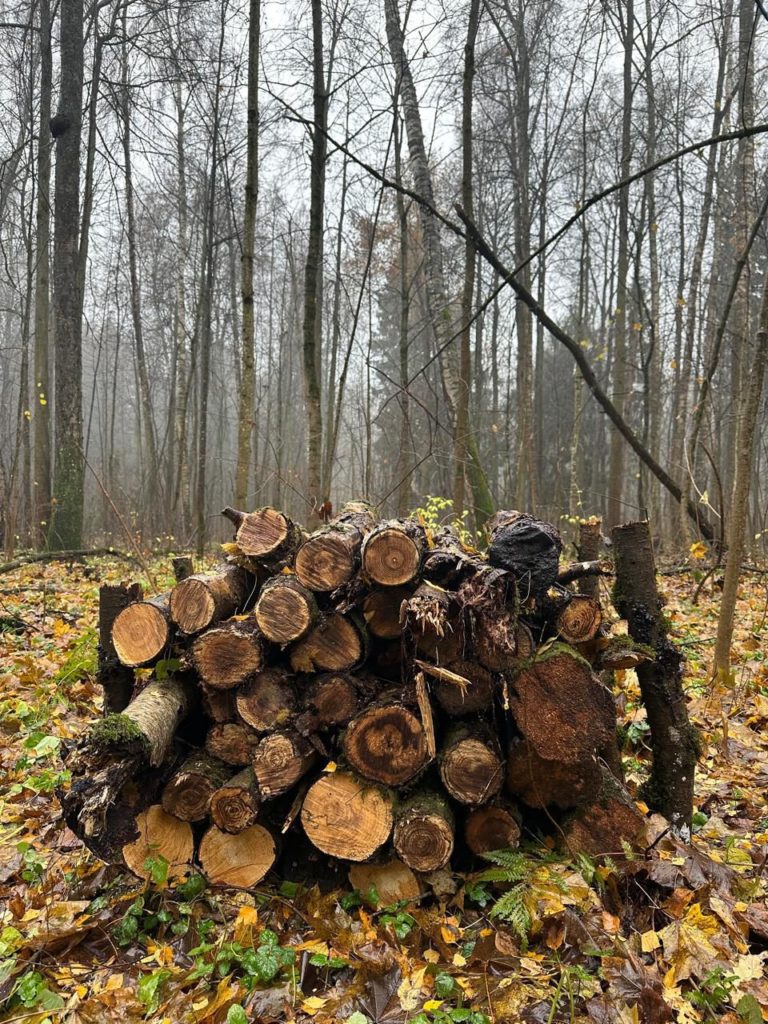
(392, 880)
(160, 835)
(580, 620)
(386, 744)
(326, 561)
(382, 611)
(241, 860)
(188, 794)
(262, 533)
(235, 805)
(423, 835)
(346, 817)
(279, 761)
(391, 557)
(226, 656)
(192, 605)
(334, 646)
(140, 634)
(285, 611)
(491, 828)
(472, 770)
(231, 742)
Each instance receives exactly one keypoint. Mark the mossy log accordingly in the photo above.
(605, 825)
(347, 817)
(202, 599)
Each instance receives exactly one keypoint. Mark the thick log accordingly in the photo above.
(347, 817)
(235, 804)
(674, 740)
(231, 742)
(423, 833)
(538, 782)
(603, 826)
(493, 827)
(331, 700)
(465, 700)
(392, 552)
(387, 744)
(267, 536)
(115, 678)
(280, 760)
(331, 556)
(383, 611)
(527, 548)
(227, 655)
(142, 631)
(579, 620)
(201, 599)
(188, 793)
(471, 765)
(286, 610)
(448, 563)
(392, 880)
(337, 644)
(562, 708)
(160, 835)
(268, 700)
(240, 860)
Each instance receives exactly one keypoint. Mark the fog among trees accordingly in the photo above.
(233, 270)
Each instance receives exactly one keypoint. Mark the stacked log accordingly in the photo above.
(390, 691)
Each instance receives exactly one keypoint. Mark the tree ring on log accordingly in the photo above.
(386, 744)
(391, 557)
(346, 818)
(160, 835)
(140, 634)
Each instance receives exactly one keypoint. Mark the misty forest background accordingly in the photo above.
(201, 147)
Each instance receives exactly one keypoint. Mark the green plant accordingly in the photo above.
(31, 991)
(437, 512)
(150, 990)
(713, 991)
(518, 869)
(253, 965)
(400, 923)
(82, 660)
(450, 1015)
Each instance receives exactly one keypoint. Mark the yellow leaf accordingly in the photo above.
(649, 941)
(432, 956)
(409, 992)
(459, 960)
(698, 549)
(432, 1004)
(245, 922)
(330, 767)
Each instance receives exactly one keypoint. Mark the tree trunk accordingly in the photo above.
(115, 678)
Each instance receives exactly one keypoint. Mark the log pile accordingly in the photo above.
(385, 692)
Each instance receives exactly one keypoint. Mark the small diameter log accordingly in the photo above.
(674, 740)
(331, 700)
(527, 548)
(160, 835)
(227, 655)
(267, 701)
(561, 708)
(231, 742)
(280, 760)
(337, 644)
(387, 744)
(266, 535)
(182, 566)
(588, 550)
(392, 552)
(331, 556)
(579, 620)
(235, 804)
(465, 700)
(204, 598)
(241, 860)
(471, 765)
(188, 794)
(347, 817)
(392, 880)
(491, 828)
(142, 631)
(423, 835)
(219, 705)
(285, 610)
(383, 611)
(115, 679)
(538, 782)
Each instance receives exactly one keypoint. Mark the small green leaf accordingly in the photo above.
(444, 985)
(236, 1015)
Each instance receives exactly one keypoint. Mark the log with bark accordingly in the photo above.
(394, 693)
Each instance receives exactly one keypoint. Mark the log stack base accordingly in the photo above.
(399, 697)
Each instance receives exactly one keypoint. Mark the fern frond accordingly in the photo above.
(512, 909)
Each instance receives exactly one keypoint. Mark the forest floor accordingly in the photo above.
(668, 933)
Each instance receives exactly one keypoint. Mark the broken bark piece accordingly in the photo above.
(161, 835)
(231, 742)
(240, 860)
(392, 552)
(495, 639)
(227, 655)
(527, 548)
(471, 765)
(268, 700)
(182, 566)
(393, 881)
(588, 550)
(204, 598)
(347, 817)
(423, 833)
(235, 804)
(493, 827)
(386, 743)
(331, 556)
(335, 645)
(188, 793)
(465, 700)
(561, 707)
(539, 782)
(286, 610)
(382, 611)
(142, 631)
(579, 620)
(280, 760)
